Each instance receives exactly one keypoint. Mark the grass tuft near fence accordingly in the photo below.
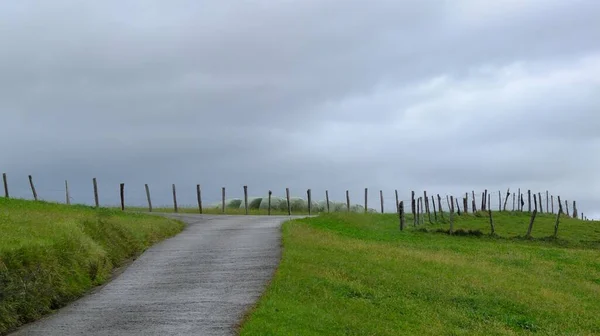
(356, 274)
(51, 254)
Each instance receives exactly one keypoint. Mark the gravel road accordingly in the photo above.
(199, 282)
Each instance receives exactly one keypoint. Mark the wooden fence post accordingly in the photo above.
(547, 202)
(199, 197)
(381, 199)
(269, 205)
(519, 200)
(499, 200)
(465, 206)
(96, 200)
(397, 200)
(366, 197)
(35, 196)
(535, 202)
(175, 199)
(489, 202)
(451, 214)
(418, 213)
(401, 214)
(434, 210)
(533, 214)
(440, 206)
(574, 209)
(148, 197)
(347, 200)
(222, 199)
(560, 208)
(529, 200)
(506, 199)
(68, 197)
(514, 198)
(450, 204)
(492, 222)
(457, 206)
(289, 205)
(5, 179)
(122, 194)
(246, 200)
(413, 207)
(540, 202)
(327, 199)
(552, 202)
(567, 208)
(556, 223)
(309, 201)
(427, 205)
(474, 202)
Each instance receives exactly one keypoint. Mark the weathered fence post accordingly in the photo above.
(567, 208)
(148, 197)
(483, 200)
(434, 210)
(397, 200)
(413, 207)
(347, 200)
(489, 204)
(552, 202)
(457, 206)
(401, 214)
(492, 222)
(422, 216)
(514, 198)
(5, 180)
(222, 199)
(506, 199)
(269, 205)
(381, 199)
(533, 214)
(535, 202)
(519, 200)
(35, 196)
(67, 192)
(327, 199)
(418, 213)
(560, 208)
(529, 200)
(465, 206)
(474, 202)
(426, 199)
(556, 223)
(122, 194)
(289, 205)
(440, 206)
(366, 197)
(547, 202)
(450, 205)
(308, 196)
(199, 197)
(451, 215)
(574, 209)
(96, 200)
(540, 198)
(175, 199)
(499, 200)
(246, 200)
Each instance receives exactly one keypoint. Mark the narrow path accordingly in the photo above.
(199, 282)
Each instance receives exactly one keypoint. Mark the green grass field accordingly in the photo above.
(353, 274)
(51, 254)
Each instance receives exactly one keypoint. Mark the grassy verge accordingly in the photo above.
(359, 275)
(51, 254)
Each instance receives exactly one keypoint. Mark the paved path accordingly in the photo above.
(199, 282)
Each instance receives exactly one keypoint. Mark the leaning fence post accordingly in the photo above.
(506, 199)
(199, 197)
(535, 202)
(4, 178)
(533, 214)
(122, 194)
(175, 199)
(68, 197)
(440, 206)
(401, 214)
(327, 199)
(148, 197)
(556, 223)
(95, 183)
(35, 197)
(397, 200)
(246, 199)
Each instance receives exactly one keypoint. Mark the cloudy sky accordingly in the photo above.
(447, 96)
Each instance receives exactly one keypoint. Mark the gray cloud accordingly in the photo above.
(301, 94)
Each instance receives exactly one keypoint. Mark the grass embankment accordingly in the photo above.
(359, 275)
(51, 254)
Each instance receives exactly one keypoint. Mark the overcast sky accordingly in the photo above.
(447, 96)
